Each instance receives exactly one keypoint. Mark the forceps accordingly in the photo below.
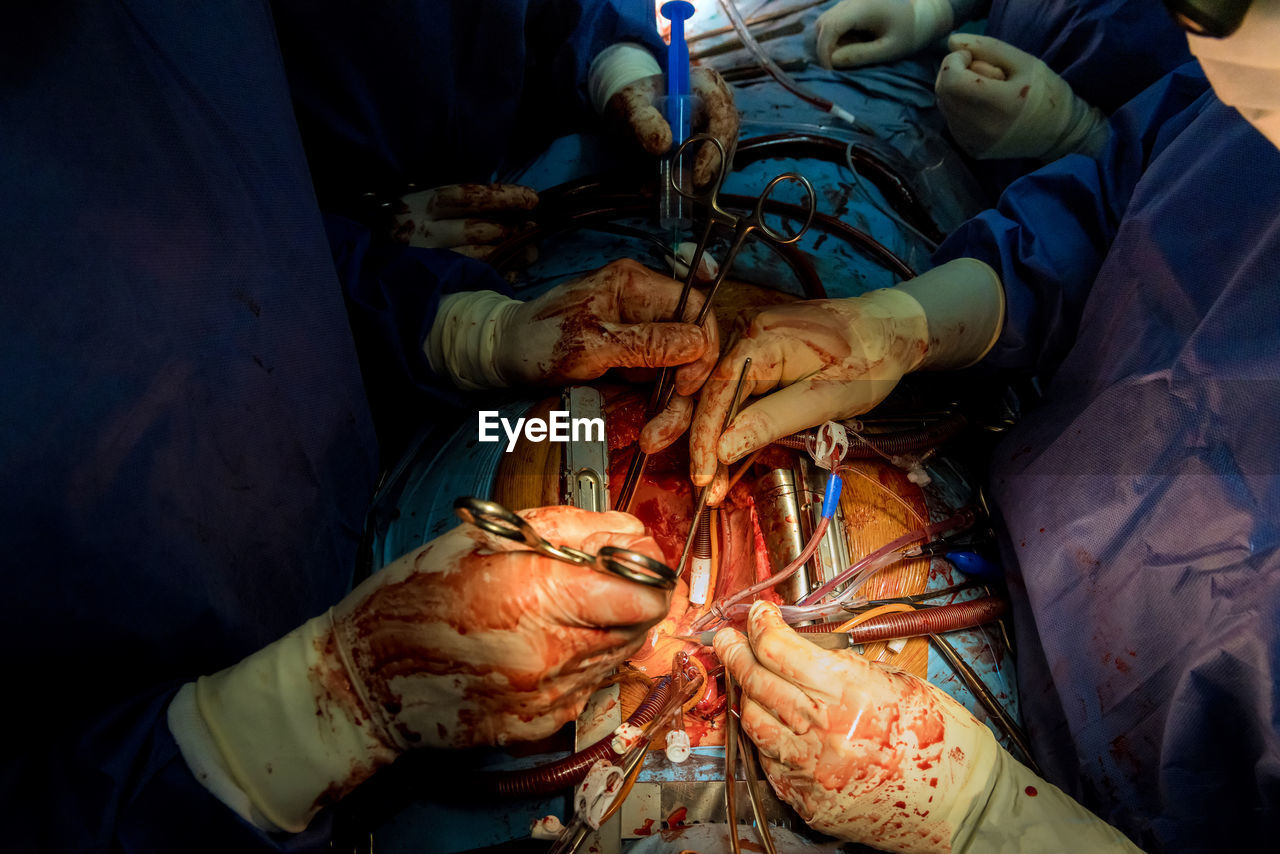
(493, 518)
(743, 226)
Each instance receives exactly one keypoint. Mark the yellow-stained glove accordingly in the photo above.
(468, 640)
(1001, 102)
(615, 317)
(833, 359)
(469, 219)
(873, 755)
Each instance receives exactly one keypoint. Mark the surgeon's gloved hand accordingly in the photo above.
(862, 32)
(1002, 102)
(833, 359)
(469, 219)
(873, 755)
(616, 317)
(626, 86)
(635, 107)
(469, 640)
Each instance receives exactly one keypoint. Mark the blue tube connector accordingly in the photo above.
(831, 500)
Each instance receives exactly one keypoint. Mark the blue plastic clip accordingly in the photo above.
(972, 563)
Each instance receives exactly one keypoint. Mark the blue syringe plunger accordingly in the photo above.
(677, 12)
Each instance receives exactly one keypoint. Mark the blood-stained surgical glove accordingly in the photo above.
(470, 219)
(1001, 102)
(469, 640)
(873, 755)
(626, 84)
(833, 359)
(616, 317)
(862, 32)
(635, 108)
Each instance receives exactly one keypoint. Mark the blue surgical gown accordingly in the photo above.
(186, 447)
(442, 91)
(1141, 501)
(1108, 50)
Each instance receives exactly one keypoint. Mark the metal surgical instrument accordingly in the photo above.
(701, 504)
(493, 518)
(742, 227)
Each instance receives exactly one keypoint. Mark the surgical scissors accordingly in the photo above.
(742, 226)
(491, 517)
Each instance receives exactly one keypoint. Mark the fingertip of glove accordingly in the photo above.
(763, 616)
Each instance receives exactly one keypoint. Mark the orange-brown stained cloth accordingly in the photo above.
(872, 519)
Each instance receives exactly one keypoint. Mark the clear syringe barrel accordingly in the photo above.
(674, 209)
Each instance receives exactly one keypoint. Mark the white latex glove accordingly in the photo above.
(470, 219)
(1001, 102)
(634, 107)
(615, 317)
(833, 359)
(874, 755)
(468, 640)
(862, 32)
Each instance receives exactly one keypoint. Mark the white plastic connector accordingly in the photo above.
(596, 793)
(626, 737)
(678, 748)
(549, 827)
(699, 580)
(830, 446)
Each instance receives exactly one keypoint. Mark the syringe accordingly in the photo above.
(673, 211)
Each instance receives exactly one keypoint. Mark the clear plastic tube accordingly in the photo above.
(786, 80)
(717, 610)
(811, 607)
(885, 555)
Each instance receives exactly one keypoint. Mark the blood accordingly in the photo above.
(1031, 791)
(677, 817)
(646, 830)
(1121, 752)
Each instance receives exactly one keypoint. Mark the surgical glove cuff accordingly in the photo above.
(465, 337)
(615, 68)
(1053, 123)
(1021, 812)
(292, 726)
(903, 334)
(963, 301)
